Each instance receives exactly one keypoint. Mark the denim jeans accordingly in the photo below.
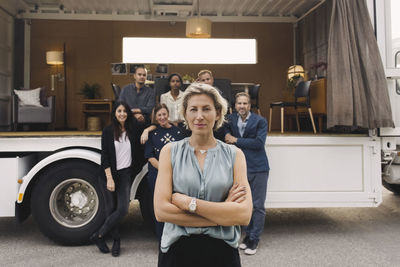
(258, 184)
(159, 226)
(117, 203)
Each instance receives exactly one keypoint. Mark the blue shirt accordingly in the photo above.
(157, 139)
(242, 124)
(145, 99)
(211, 184)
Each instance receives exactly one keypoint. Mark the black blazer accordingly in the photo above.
(108, 157)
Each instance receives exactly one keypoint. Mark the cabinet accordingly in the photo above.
(96, 107)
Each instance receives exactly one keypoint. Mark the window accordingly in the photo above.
(393, 34)
(388, 34)
(189, 51)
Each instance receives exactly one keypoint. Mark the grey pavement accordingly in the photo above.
(292, 237)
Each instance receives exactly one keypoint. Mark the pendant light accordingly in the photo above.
(197, 27)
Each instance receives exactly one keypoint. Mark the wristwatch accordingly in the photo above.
(192, 205)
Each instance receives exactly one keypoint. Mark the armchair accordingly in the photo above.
(26, 114)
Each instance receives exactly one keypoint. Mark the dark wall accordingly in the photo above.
(91, 46)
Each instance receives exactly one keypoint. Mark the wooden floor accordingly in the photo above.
(50, 133)
(295, 133)
(98, 133)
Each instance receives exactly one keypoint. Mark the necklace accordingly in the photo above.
(202, 151)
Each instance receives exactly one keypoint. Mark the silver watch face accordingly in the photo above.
(192, 207)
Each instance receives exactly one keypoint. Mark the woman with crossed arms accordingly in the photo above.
(201, 192)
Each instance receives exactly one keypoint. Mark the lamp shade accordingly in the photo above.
(295, 70)
(55, 57)
(198, 28)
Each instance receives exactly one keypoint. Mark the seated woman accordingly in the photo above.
(202, 193)
(163, 134)
(172, 99)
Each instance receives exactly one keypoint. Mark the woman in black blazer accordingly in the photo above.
(121, 160)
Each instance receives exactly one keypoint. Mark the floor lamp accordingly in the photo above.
(58, 58)
(55, 58)
(65, 92)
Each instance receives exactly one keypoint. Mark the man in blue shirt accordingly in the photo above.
(140, 98)
(248, 131)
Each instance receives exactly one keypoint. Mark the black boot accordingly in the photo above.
(116, 248)
(100, 243)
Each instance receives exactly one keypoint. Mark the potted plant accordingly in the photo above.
(187, 79)
(319, 70)
(90, 91)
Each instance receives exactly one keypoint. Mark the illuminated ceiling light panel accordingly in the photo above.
(189, 51)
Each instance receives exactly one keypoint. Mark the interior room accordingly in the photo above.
(91, 47)
(89, 37)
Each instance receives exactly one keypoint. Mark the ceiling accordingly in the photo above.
(168, 10)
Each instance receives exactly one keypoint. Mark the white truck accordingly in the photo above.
(53, 176)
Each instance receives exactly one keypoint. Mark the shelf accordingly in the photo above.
(101, 107)
(95, 111)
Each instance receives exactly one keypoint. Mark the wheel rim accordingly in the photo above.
(74, 203)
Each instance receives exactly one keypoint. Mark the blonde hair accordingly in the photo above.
(202, 72)
(220, 104)
(243, 94)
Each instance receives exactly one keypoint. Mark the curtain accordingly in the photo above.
(312, 42)
(357, 94)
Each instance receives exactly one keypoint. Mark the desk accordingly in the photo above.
(96, 107)
(317, 102)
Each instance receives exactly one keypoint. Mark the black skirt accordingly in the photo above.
(199, 250)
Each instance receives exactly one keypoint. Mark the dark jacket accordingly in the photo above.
(108, 157)
(253, 141)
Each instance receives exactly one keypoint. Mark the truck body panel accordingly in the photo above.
(323, 171)
(12, 168)
(306, 170)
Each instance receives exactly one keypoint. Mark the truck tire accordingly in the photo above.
(395, 188)
(67, 202)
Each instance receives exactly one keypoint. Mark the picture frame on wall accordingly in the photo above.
(162, 68)
(118, 69)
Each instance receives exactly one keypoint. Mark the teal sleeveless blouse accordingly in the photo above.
(211, 184)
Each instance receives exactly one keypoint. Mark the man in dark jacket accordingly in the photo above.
(248, 131)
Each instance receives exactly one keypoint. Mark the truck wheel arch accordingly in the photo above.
(23, 196)
(83, 154)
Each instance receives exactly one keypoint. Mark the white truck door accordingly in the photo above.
(387, 27)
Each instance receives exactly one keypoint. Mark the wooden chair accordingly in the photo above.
(302, 91)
